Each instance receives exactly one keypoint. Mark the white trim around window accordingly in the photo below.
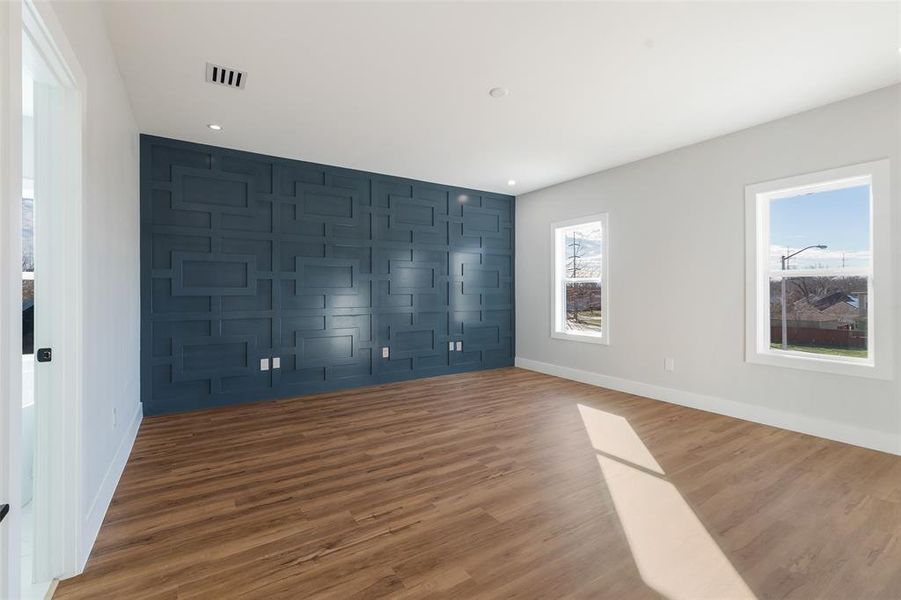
(559, 280)
(758, 199)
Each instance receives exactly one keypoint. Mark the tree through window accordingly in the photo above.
(580, 264)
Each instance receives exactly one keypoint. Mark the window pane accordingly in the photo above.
(28, 268)
(837, 219)
(823, 315)
(583, 307)
(582, 251)
(27, 316)
(27, 234)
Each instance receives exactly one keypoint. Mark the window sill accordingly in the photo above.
(854, 367)
(586, 338)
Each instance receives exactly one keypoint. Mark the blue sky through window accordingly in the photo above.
(588, 240)
(838, 218)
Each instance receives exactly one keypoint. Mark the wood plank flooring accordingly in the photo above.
(495, 484)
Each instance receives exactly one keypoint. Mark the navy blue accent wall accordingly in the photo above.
(245, 257)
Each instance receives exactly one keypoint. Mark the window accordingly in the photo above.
(28, 267)
(818, 269)
(581, 310)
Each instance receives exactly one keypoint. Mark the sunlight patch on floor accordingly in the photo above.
(613, 435)
(672, 549)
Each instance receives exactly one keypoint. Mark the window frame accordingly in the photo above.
(557, 297)
(758, 198)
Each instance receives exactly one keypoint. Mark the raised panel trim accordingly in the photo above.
(179, 202)
(179, 373)
(179, 288)
(365, 223)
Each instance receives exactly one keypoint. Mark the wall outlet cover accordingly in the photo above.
(385, 352)
(459, 346)
(669, 364)
(264, 364)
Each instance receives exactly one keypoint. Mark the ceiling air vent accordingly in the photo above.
(225, 76)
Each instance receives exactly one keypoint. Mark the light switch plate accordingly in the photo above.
(277, 362)
(264, 364)
(450, 346)
(385, 352)
(459, 346)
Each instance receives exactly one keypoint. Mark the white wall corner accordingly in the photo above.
(857, 436)
(101, 501)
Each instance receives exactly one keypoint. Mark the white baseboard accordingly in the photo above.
(830, 430)
(101, 502)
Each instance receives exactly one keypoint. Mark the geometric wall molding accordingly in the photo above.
(245, 256)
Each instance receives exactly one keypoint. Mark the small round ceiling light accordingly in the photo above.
(511, 182)
(498, 92)
(215, 127)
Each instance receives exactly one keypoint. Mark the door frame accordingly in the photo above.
(58, 471)
(10, 303)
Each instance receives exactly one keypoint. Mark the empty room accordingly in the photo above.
(357, 300)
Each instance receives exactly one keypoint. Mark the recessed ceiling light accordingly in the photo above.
(498, 92)
(214, 127)
(511, 182)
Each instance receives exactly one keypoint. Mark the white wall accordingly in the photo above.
(111, 264)
(677, 274)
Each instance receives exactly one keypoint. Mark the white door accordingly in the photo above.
(47, 384)
(57, 306)
(10, 300)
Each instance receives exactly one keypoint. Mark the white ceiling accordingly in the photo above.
(403, 88)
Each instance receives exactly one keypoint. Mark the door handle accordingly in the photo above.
(44, 354)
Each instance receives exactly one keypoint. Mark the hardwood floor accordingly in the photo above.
(493, 484)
